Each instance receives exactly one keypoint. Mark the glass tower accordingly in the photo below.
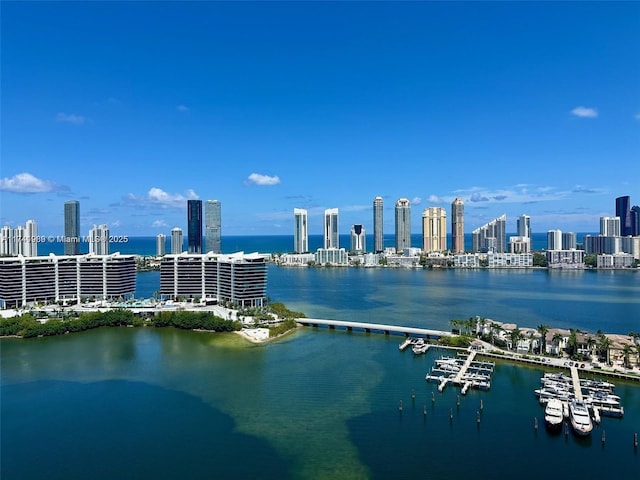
(212, 224)
(378, 236)
(300, 231)
(457, 226)
(331, 228)
(403, 224)
(72, 227)
(194, 226)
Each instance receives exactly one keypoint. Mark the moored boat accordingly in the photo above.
(580, 419)
(553, 414)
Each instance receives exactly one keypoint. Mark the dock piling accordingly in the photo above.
(603, 437)
(478, 417)
(433, 397)
(635, 440)
(535, 423)
(457, 400)
(451, 414)
(400, 407)
(413, 394)
(481, 406)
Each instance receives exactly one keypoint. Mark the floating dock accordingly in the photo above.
(462, 370)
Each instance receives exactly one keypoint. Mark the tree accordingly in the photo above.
(516, 336)
(557, 338)
(543, 330)
(539, 259)
(603, 347)
(572, 344)
(495, 331)
(591, 343)
(627, 350)
(591, 260)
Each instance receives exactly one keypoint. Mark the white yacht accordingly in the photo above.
(553, 413)
(580, 419)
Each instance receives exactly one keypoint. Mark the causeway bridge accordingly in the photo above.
(373, 327)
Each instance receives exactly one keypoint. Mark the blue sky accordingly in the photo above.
(133, 108)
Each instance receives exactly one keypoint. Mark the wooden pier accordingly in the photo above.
(575, 379)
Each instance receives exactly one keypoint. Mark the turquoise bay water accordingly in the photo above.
(163, 403)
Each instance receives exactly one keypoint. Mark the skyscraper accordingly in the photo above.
(72, 227)
(358, 239)
(434, 229)
(610, 226)
(331, 228)
(161, 244)
(569, 241)
(554, 240)
(212, 226)
(30, 244)
(176, 241)
(623, 211)
(99, 240)
(403, 224)
(194, 226)
(378, 235)
(635, 220)
(524, 226)
(300, 230)
(490, 237)
(457, 226)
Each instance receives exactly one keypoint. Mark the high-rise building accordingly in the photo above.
(300, 230)
(635, 220)
(30, 244)
(457, 226)
(403, 224)
(358, 239)
(623, 211)
(554, 240)
(19, 235)
(434, 229)
(331, 239)
(194, 226)
(490, 237)
(99, 240)
(378, 236)
(524, 226)
(610, 226)
(212, 226)
(6, 241)
(161, 244)
(176, 241)
(569, 241)
(72, 227)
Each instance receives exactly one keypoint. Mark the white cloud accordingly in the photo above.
(158, 197)
(115, 224)
(259, 179)
(416, 201)
(434, 199)
(71, 118)
(182, 108)
(27, 183)
(159, 224)
(584, 112)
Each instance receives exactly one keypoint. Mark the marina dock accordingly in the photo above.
(575, 379)
(463, 371)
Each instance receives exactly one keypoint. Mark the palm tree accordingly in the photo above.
(557, 338)
(515, 335)
(591, 343)
(626, 350)
(542, 330)
(495, 330)
(483, 323)
(573, 342)
(603, 347)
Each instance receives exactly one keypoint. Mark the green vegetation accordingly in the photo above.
(284, 327)
(282, 311)
(456, 341)
(27, 326)
(591, 260)
(539, 259)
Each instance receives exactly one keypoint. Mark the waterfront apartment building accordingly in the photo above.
(300, 230)
(213, 226)
(554, 239)
(237, 278)
(490, 237)
(66, 278)
(601, 244)
(331, 238)
(635, 221)
(610, 226)
(565, 258)
(194, 226)
(403, 224)
(99, 240)
(623, 212)
(378, 235)
(161, 244)
(30, 243)
(434, 229)
(332, 256)
(72, 227)
(177, 241)
(358, 239)
(457, 226)
(519, 244)
(509, 260)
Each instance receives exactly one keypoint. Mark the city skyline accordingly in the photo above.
(525, 99)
